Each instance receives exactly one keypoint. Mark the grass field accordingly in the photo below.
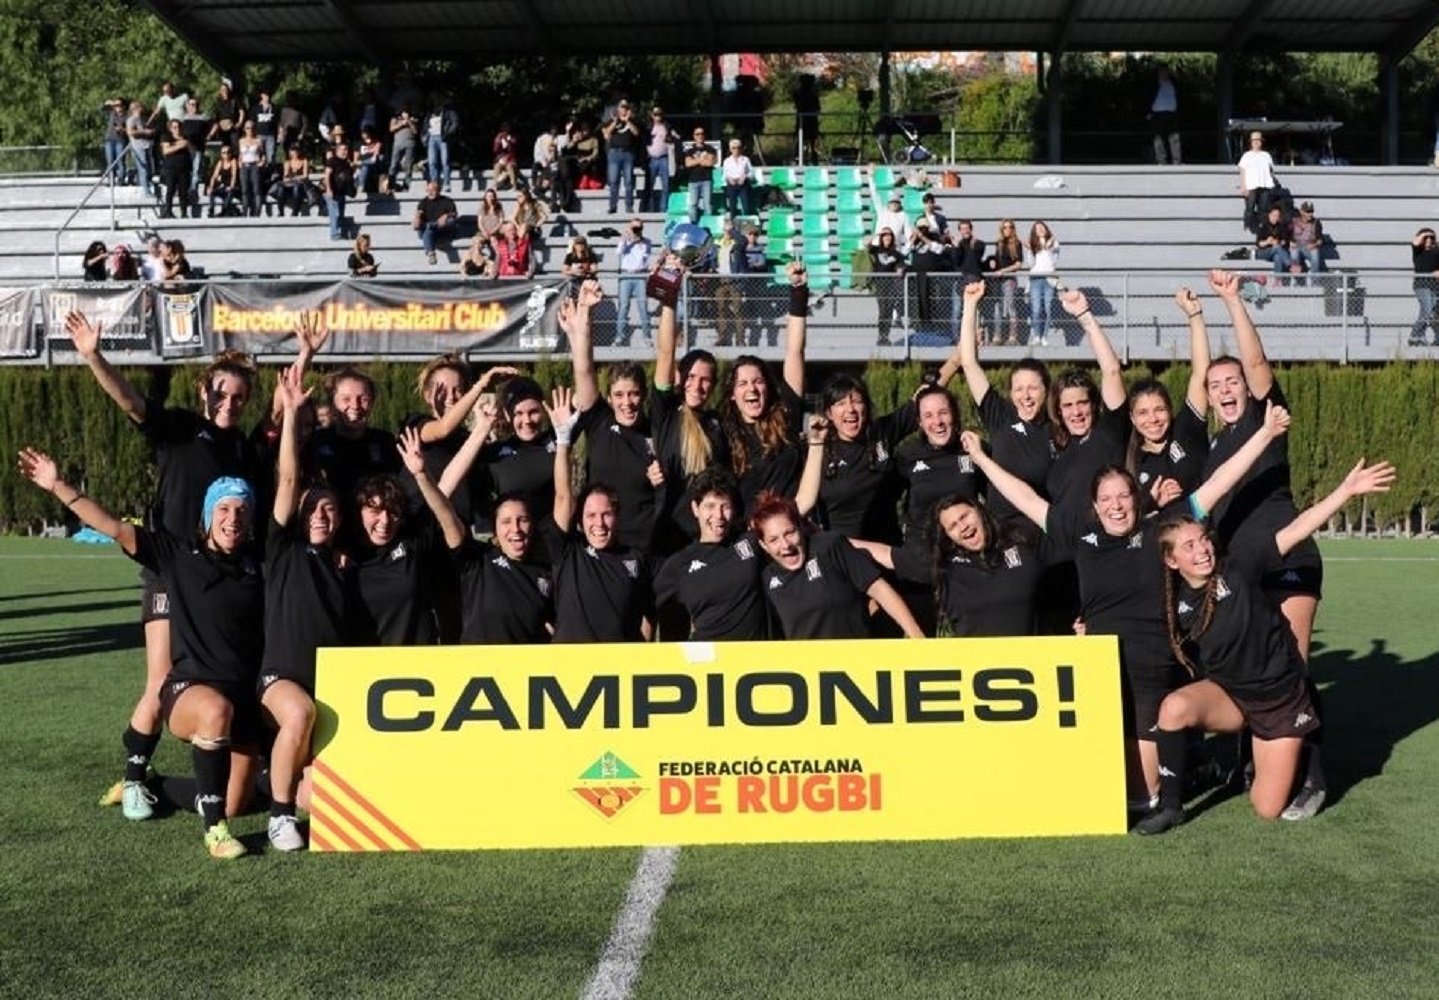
(1344, 906)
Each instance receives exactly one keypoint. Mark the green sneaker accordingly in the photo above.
(114, 795)
(221, 845)
(136, 801)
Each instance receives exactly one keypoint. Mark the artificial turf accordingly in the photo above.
(1343, 906)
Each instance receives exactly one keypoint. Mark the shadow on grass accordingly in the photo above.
(68, 609)
(22, 596)
(61, 643)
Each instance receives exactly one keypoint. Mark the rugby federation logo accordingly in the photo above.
(608, 785)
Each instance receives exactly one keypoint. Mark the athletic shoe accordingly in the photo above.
(114, 795)
(1305, 805)
(221, 845)
(1159, 821)
(284, 835)
(1139, 807)
(137, 802)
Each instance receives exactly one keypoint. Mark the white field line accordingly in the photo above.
(619, 967)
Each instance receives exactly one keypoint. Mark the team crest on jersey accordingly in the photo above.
(1018, 428)
(966, 464)
(880, 455)
(1011, 558)
(501, 561)
(774, 583)
(1184, 608)
(550, 448)
(1221, 589)
(614, 428)
(542, 584)
(811, 570)
(160, 603)
(1091, 538)
(1176, 453)
(632, 567)
(696, 565)
(1136, 540)
(744, 549)
(920, 466)
(1144, 479)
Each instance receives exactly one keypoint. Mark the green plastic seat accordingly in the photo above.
(816, 200)
(913, 201)
(848, 178)
(851, 225)
(815, 225)
(780, 177)
(849, 201)
(816, 178)
(883, 177)
(781, 225)
(678, 204)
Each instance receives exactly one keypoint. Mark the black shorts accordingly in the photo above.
(1302, 573)
(154, 598)
(268, 677)
(1143, 690)
(1289, 714)
(246, 729)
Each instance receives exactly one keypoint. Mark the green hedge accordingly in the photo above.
(1340, 414)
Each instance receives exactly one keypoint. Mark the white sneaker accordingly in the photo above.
(285, 834)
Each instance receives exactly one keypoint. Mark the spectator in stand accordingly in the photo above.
(114, 137)
(142, 137)
(567, 168)
(657, 174)
(622, 139)
(339, 185)
(96, 254)
(294, 185)
(122, 266)
(490, 216)
(169, 104)
(587, 157)
(928, 255)
(329, 119)
(504, 147)
(435, 216)
(224, 183)
(967, 256)
(1426, 286)
(176, 264)
(175, 163)
(546, 162)
(580, 262)
(530, 215)
(479, 259)
(1163, 117)
(369, 117)
(514, 257)
(361, 262)
(1007, 262)
(252, 165)
(294, 127)
(938, 221)
(893, 219)
(440, 126)
(699, 159)
(1306, 240)
(886, 263)
(806, 107)
(1043, 256)
(195, 125)
(372, 158)
(227, 115)
(152, 268)
(266, 118)
(634, 268)
(738, 173)
(1256, 180)
(404, 134)
(1271, 240)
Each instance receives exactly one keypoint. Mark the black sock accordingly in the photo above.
(278, 808)
(1173, 746)
(1314, 765)
(139, 748)
(212, 776)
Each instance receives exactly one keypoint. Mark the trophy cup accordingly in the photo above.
(693, 248)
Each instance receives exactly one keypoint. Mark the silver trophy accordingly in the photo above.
(694, 248)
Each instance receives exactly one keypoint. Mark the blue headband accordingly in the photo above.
(225, 488)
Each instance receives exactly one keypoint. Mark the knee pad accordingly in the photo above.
(210, 742)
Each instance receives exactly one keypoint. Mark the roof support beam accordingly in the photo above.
(1245, 25)
(1064, 30)
(1411, 33)
(198, 38)
(355, 31)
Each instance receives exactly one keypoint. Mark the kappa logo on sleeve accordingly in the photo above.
(607, 785)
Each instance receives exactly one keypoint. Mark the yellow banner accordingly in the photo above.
(698, 743)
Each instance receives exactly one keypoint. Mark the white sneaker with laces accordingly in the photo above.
(285, 834)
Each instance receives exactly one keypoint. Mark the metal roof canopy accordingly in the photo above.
(232, 33)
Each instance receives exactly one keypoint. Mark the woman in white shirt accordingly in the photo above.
(738, 172)
(1042, 256)
(1256, 178)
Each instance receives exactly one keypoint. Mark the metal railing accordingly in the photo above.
(111, 174)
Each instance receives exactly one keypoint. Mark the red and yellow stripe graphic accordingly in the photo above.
(341, 819)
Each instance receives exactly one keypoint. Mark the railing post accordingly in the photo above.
(952, 146)
(1124, 323)
(1343, 319)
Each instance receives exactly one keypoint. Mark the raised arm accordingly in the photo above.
(955, 361)
(40, 469)
(86, 338)
(807, 495)
(796, 327)
(413, 456)
(290, 393)
(1362, 479)
(878, 551)
(442, 427)
(563, 417)
(459, 466)
(1111, 372)
(574, 319)
(1227, 476)
(665, 341)
(1257, 373)
(1193, 310)
(1015, 490)
(968, 348)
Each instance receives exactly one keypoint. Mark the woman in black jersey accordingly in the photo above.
(393, 568)
(818, 585)
(191, 450)
(1167, 448)
(983, 577)
(307, 606)
(762, 417)
(217, 620)
(716, 578)
(350, 450)
(1114, 551)
(687, 433)
(602, 587)
(1238, 390)
(620, 446)
(1239, 650)
(933, 464)
(504, 595)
